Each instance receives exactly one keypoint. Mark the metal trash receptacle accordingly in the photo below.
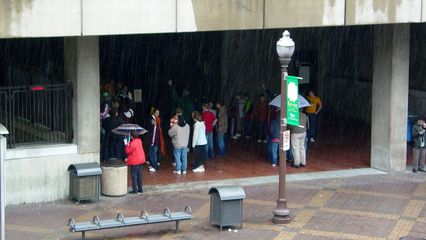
(84, 181)
(226, 206)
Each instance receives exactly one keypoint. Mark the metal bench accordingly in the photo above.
(121, 221)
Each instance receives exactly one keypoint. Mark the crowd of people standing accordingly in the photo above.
(201, 131)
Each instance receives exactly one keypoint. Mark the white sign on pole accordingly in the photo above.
(286, 139)
(137, 98)
(304, 74)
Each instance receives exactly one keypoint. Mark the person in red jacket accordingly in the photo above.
(210, 121)
(135, 159)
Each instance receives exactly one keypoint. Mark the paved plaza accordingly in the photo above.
(385, 206)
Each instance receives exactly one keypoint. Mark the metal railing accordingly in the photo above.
(37, 114)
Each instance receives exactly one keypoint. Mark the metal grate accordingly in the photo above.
(37, 114)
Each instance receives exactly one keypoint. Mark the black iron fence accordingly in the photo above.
(37, 114)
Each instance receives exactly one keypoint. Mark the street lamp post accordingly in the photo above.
(285, 49)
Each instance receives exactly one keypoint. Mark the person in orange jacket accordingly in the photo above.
(135, 159)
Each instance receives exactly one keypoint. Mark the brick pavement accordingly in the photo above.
(368, 207)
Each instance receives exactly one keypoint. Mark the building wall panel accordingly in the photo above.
(423, 10)
(39, 18)
(104, 17)
(304, 13)
(202, 15)
(41, 179)
(382, 11)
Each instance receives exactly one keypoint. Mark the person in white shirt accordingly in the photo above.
(199, 142)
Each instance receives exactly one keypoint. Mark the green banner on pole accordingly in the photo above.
(293, 100)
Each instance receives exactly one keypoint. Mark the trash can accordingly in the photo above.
(84, 181)
(114, 178)
(226, 206)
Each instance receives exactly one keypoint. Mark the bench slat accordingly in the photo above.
(158, 218)
(134, 221)
(84, 226)
(181, 216)
(110, 223)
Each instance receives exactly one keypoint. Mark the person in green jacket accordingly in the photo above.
(184, 102)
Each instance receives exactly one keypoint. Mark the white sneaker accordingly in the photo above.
(259, 140)
(183, 172)
(151, 169)
(174, 164)
(312, 140)
(238, 135)
(158, 163)
(202, 168)
(197, 170)
(274, 165)
(176, 172)
(235, 137)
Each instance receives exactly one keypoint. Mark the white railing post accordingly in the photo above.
(3, 131)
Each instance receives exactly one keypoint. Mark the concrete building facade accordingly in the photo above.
(38, 173)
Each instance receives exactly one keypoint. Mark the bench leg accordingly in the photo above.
(177, 226)
(83, 235)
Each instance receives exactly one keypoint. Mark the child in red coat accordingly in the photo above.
(135, 159)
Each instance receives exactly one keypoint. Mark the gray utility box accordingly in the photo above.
(226, 206)
(84, 181)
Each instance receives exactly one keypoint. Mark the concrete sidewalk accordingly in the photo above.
(385, 206)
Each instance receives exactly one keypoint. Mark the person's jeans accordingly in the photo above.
(419, 158)
(102, 144)
(200, 155)
(261, 126)
(209, 146)
(232, 126)
(181, 160)
(289, 154)
(136, 172)
(312, 131)
(274, 152)
(298, 148)
(240, 124)
(221, 143)
(153, 156)
(248, 124)
(306, 145)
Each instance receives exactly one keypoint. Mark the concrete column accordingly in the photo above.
(81, 67)
(390, 97)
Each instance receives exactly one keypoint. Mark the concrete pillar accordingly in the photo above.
(390, 97)
(81, 67)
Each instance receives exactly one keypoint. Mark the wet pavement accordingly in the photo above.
(247, 158)
(386, 206)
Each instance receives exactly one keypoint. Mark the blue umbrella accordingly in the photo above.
(125, 129)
